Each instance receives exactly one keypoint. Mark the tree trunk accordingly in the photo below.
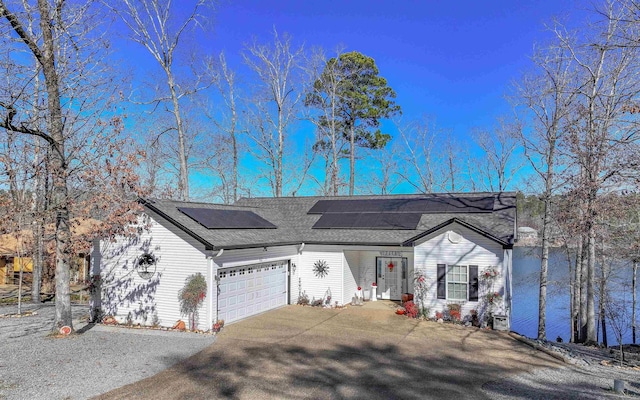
(352, 159)
(604, 273)
(544, 263)
(572, 299)
(37, 208)
(542, 299)
(583, 292)
(603, 323)
(591, 265)
(38, 257)
(576, 292)
(183, 180)
(234, 145)
(58, 170)
(280, 161)
(633, 294)
(334, 151)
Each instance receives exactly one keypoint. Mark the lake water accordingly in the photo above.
(526, 279)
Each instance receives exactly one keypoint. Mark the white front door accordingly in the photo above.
(391, 275)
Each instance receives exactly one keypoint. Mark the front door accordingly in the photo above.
(391, 275)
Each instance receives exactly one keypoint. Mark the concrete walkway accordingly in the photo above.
(358, 352)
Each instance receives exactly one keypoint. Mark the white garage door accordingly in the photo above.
(251, 289)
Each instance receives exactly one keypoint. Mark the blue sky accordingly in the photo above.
(450, 61)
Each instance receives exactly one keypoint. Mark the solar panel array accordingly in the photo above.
(422, 205)
(368, 221)
(226, 219)
(392, 213)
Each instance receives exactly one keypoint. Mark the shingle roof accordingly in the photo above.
(295, 225)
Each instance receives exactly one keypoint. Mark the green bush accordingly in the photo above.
(191, 297)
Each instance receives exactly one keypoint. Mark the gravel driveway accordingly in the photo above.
(34, 366)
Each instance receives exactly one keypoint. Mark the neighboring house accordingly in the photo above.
(12, 251)
(16, 251)
(263, 253)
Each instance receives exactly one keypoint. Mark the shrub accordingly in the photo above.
(191, 297)
(411, 309)
(303, 299)
(454, 312)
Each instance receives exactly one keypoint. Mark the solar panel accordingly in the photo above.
(226, 219)
(387, 221)
(423, 205)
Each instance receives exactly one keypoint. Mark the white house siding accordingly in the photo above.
(256, 255)
(472, 249)
(350, 274)
(316, 287)
(130, 298)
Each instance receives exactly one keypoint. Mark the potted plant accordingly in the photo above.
(217, 327)
(374, 295)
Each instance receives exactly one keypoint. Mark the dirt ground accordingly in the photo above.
(357, 352)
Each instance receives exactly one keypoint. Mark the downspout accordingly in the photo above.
(509, 253)
(297, 283)
(213, 278)
(342, 279)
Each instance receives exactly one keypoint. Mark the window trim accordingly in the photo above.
(445, 280)
(465, 282)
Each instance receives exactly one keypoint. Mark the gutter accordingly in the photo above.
(276, 244)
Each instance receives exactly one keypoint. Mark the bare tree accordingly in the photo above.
(323, 101)
(609, 82)
(275, 105)
(43, 48)
(548, 97)
(420, 140)
(451, 165)
(228, 144)
(499, 146)
(385, 178)
(88, 172)
(152, 25)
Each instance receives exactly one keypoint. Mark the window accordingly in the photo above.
(457, 282)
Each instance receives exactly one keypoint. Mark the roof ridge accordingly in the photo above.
(346, 196)
(199, 202)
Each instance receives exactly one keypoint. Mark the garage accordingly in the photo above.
(248, 290)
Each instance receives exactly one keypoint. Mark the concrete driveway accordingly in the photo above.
(358, 352)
